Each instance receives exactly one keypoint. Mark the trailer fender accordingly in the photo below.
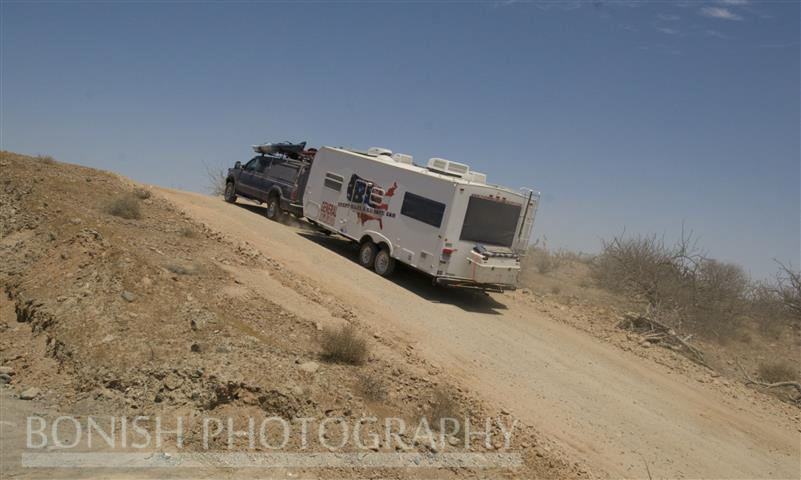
(378, 239)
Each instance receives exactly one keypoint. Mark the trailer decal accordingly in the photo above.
(328, 213)
(367, 200)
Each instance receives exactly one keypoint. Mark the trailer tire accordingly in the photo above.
(384, 264)
(273, 208)
(229, 195)
(367, 252)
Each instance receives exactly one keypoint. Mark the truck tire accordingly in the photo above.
(230, 192)
(367, 254)
(273, 208)
(384, 264)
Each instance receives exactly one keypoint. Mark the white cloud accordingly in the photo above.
(722, 13)
(716, 34)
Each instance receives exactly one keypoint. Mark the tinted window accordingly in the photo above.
(423, 209)
(284, 171)
(264, 162)
(490, 222)
(251, 165)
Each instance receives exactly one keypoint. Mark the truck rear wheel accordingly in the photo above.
(230, 192)
(273, 208)
(384, 264)
(367, 254)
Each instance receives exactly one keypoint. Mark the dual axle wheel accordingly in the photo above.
(377, 258)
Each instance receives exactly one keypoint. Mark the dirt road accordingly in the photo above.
(608, 407)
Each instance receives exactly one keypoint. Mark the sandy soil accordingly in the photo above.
(607, 406)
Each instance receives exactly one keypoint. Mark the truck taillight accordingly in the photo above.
(448, 251)
(294, 195)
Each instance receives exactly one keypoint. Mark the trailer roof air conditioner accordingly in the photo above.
(376, 151)
(477, 177)
(403, 158)
(448, 167)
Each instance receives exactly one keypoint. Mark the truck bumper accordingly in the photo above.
(295, 209)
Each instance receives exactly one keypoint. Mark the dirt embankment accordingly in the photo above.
(168, 314)
(600, 395)
(208, 309)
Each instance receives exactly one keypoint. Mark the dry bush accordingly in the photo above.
(780, 371)
(768, 310)
(372, 386)
(540, 258)
(442, 406)
(556, 289)
(344, 345)
(142, 193)
(187, 232)
(216, 177)
(719, 299)
(544, 261)
(180, 269)
(125, 206)
(699, 294)
(46, 159)
(788, 288)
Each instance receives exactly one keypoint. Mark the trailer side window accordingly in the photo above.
(422, 209)
(333, 181)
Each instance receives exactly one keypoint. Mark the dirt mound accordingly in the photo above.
(142, 316)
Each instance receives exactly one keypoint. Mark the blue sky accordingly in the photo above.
(626, 115)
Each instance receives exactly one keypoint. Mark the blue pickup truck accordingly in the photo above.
(276, 176)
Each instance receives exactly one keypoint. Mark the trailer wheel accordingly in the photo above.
(273, 208)
(384, 263)
(230, 192)
(367, 254)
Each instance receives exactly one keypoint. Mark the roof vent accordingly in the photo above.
(403, 158)
(448, 167)
(376, 151)
(477, 177)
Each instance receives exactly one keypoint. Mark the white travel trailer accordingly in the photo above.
(443, 219)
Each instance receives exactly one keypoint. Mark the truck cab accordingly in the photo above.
(274, 179)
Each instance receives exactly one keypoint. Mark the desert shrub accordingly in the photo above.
(768, 310)
(702, 295)
(443, 405)
(344, 345)
(718, 292)
(545, 261)
(778, 371)
(216, 177)
(788, 288)
(372, 386)
(556, 289)
(46, 159)
(142, 193)
(125, 206)
(540, 258)
(187, 231)
(643, 265)
(179, 269)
